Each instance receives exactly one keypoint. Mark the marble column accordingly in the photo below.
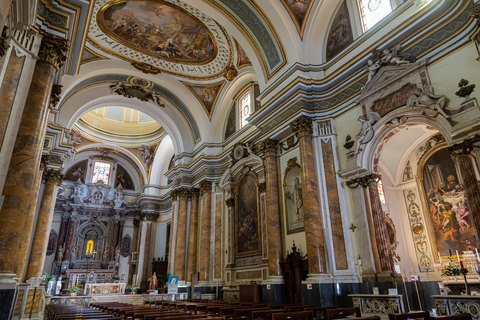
(181, 243)
(192, 235)
(314, 233)
(62, 233)
(69, 243)
(217, 255)
(205, 230)
(53, 179)
(132, 269)
(171, 253)
(149, 221)
(274, 240)
(19, 187)
(463, 155)
(114, 237)
(383, 253)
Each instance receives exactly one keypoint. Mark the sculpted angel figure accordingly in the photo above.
(372, 67)
(118, 88)
(366, 131)
(393, 57)
(430, 105)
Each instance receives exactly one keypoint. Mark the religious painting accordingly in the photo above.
(247, 222)
(124, 179)
(147, 155)
(298, 10)
(52, 242)
(242, 60)
(126, 244)
(292, 187)
(77, 171)
(231, 123)
(159, 29)
(447, 205)
(340, 35)
(207, 95)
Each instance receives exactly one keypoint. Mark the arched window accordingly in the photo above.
(101, 171)
(381, 192)
(244, 107)
(373, 11)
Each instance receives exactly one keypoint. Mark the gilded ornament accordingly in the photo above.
(230, 72)
(150, 216)
(269, 147)
(146, 68)
(183, 193)
(53, 50)
(262, 187)
(174, 194)
(136, 223)
(465, 89)
(205, 186)
(138, 92)
(291, 143)
(195, 192)
(54, 176)
(44, 161)
(392, 234)
(363, 181)
(302, 126)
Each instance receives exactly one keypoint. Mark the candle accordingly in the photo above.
(450, 251)
(439, 256)
(461, 264)
(458, 257)
(478, 257)
(134, 282)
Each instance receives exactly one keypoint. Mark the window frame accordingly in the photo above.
(241, 95)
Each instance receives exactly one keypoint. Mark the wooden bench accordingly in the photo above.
(462, 316)
(300, 315)
(410, 315)
(339, 313)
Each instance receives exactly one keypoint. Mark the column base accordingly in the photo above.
(274, 280)
(385, 276)
(318, 278)
(8, 294)
(345, 278)
(369, 277)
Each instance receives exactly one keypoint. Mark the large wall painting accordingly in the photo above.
(207, 95)
(299, 11)
(247, 224)
(160, 30)
(340, 35)
(122, 177)
(447, 205)
(231, 127)
(77, 171)
(292, 185)
(243, 59)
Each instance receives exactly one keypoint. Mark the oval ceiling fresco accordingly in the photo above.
(158, 29)
(168, 34)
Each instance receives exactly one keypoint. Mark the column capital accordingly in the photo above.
(55, 96)
(230, 202)
(183, 193)
(150, 216)
(363, 181)
(44, 161)
(269, 147)
(53, 50)
(136, 223)
(206, 186)
(465, 147)
(302, 126)
(53, 176)
(174, 194)
(195, 192)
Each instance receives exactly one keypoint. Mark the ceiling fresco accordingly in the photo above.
(167, 34)
(207, 95)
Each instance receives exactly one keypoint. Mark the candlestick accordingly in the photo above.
(439, 256)
(478, 257)
(458, 257)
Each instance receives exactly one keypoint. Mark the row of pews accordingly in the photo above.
(219, 310)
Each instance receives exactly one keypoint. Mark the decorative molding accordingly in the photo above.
(291, 142)
(136, 223)
(464, 148)
(230, 202)
(407, 172)
(205, 186)
(44, 161)
(230, 72)
(53, 50)
(3, 42)
(269, 147)
(393, 242)
(145, 68)
(183, 193)
(138, 92)
(150, 216)
(262, 187)
(431, 142)
(363, 181)
(195, 193)
(302, 126)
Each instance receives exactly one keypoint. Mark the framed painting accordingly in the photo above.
(122, 177)
(340, 35)
(292, 188)
(77, 171)
(247, 218)
(447, 206)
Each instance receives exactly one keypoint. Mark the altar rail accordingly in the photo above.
(378, 304)
(455, 304)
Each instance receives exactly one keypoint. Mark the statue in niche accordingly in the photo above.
(117, 254)
(119, 201)
(73, 254)
(61, 250)
(366, 131)
(430, 105)
(296, 197)
(105, 255)
(77, 192)
(154, 282)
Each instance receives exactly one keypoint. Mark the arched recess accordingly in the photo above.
(139, 176)
(161, 162)
(100, 96)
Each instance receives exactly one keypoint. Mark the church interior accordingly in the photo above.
(298, 152)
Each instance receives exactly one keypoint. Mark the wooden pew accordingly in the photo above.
(300, 315)
(463, 316)
(339, 313)
(410, 315)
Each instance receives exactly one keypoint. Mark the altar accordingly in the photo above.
(83, 276)
(104, 288)
(457, 304)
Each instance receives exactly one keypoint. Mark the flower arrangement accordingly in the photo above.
(135, 289)
(450, 269)
(74, 289)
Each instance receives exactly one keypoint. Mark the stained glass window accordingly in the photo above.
(244, 106)
(381, 192)
(101, 172)
(373, 11)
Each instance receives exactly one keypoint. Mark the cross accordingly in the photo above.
(353, 227)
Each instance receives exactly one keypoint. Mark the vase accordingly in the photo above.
(133, 292)
(73, 294)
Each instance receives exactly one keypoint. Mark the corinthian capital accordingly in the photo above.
(206, 186)
(53, 50)
(183, 193)
(269, 147)
(302, 126)
(53, 176)
(364, 181)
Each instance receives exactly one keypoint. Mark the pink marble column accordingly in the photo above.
(62, 235)
(205, 230)
(314, 233)
(181, 243)
(70, 237)
(174, 195)
(113, 238)
(217, 255)
(269, 149)
(149, 220)
(53, 179)
(21, 181)
(192, 235)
